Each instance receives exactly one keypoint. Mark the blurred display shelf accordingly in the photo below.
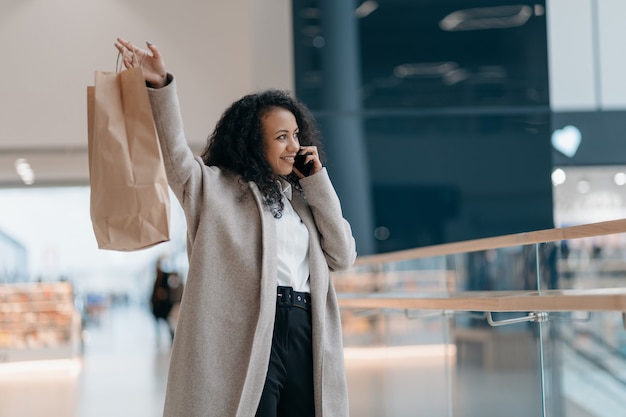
(38, 321)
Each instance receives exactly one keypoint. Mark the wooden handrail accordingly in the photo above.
(589, 300)
(606, 299)
(527, 238)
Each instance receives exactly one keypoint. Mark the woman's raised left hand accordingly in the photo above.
(151, 61)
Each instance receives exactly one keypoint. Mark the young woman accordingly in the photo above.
(259, 330)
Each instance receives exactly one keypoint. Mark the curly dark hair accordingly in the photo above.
(236, 144)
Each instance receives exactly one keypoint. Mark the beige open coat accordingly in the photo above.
(221, 351)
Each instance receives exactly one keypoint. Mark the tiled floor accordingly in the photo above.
(122, 372)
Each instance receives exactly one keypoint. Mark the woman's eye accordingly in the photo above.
(282, 137)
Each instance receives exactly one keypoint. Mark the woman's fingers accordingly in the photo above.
(132, 54)
(127, 45)
(124, 46)
(126, 49)
(311, 150)
(312, 157)
(155, 51)
(135, 55)
(150, 60)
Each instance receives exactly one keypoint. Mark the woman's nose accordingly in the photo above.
(294, 143)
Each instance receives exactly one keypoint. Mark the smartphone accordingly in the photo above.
(305, 169)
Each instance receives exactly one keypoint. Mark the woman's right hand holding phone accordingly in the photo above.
(307, 161)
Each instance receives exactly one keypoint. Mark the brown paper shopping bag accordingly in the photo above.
(129, 193)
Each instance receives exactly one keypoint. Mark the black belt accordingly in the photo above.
(288, 297)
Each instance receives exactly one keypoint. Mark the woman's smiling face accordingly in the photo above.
(280, 139)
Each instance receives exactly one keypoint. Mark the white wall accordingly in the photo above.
(218, 50)
(587, 57)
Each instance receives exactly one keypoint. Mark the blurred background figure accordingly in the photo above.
(165, 299)
(175, 284)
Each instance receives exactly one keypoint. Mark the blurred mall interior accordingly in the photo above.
(443, 121)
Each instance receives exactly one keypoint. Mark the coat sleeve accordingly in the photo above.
(335, 232)
(184, 171)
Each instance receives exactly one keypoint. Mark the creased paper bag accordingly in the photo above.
(129, 193)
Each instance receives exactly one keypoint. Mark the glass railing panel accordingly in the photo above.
(584, 353)
(406, 369)
(496, 368)
(497, 371)
(501, 269)
(453, 362)
(473, 372)
(584, 364)
(371, 328)
(398, 361)
(592, 262)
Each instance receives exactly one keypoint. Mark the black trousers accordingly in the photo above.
(288, 390)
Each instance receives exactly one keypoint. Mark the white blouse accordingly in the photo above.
(293, 246)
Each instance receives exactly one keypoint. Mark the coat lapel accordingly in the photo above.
(262, 341)
(319, 280)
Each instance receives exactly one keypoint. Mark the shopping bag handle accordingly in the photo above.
(119, 62)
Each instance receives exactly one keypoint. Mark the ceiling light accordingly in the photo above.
(583, 186)
(455, 76)
(424, 69)
(318, 42)
(620, 178)
(558, 177)
(382, 233)
(310, 13)
(366, 8)
(498, 17)
(23, 169)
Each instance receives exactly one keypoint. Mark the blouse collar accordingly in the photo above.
(285, 187)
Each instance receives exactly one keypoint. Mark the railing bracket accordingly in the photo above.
(538, 317)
